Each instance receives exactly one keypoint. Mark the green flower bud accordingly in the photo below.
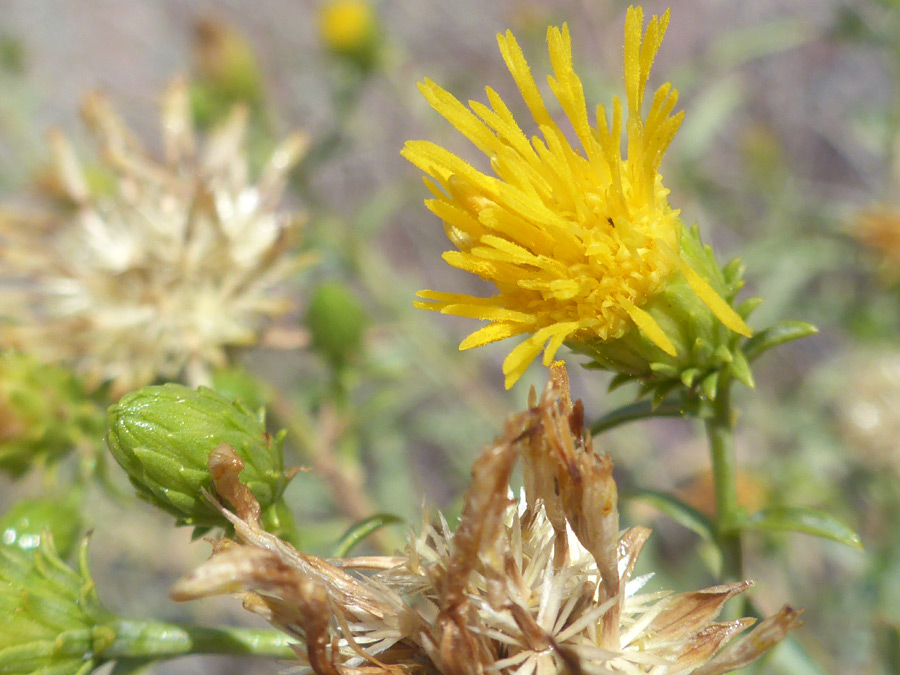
(703, 345)
(51, 621)
(26, 524)
(162, 436)
(337, 321)
(44, 413)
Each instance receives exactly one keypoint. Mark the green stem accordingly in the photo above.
(720, 434)
(158, 641)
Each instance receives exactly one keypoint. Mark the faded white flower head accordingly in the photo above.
(150, 269)
(536, 586)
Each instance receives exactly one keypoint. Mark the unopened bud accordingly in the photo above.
(336, 320)
(163, 435)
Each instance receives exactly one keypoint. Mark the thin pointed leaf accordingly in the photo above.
(777, 334)
(804, 520)
(677, 510)
(619, 380)
(362, 529)
(638, 411)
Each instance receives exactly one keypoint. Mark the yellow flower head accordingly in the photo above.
(576, 239)
(346, 25)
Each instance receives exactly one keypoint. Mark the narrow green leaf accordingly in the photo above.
(677, 510)
(776, 334)
(804, 520)
(638, 411)
(362, 529)
(619, 380)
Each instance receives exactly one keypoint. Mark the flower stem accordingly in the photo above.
(158, 641)
(720, 434)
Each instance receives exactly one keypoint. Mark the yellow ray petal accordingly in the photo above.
(492, 333)
(649, 327)
(711, 299)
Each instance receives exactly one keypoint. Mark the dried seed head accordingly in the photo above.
(141, 268)
(541, 584)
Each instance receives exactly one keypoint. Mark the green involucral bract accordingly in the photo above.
(51, 621)
(163, 435)
(703, 345)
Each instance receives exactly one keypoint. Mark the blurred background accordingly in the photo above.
(789, 157)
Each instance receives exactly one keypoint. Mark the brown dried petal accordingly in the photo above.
(700, 647)
(690, 612)
(315, 618)
(236, 569)
(756, 643)
(630, 546)
(484, 509)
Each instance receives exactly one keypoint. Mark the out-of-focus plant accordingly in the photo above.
(44, 414)
(155, 268)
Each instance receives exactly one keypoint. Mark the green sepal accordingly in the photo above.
(777, 334)
(740, 368)
(688, 375)
(747, 307)
(803, 520)
(710, 385)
